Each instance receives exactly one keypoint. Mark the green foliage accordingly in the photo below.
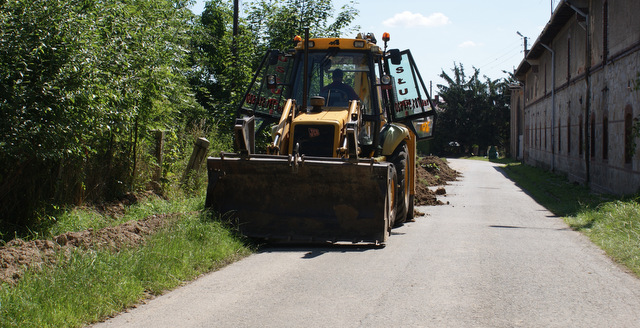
(82, 84)
(74, 75)
(473, 112)
(278, 21)
(222, 63)
(615, 227)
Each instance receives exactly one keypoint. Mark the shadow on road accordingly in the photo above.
(517, 227)
(554, 191)
(315, 250)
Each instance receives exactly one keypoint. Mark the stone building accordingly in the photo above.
(577, 100)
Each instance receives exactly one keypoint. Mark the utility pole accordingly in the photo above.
(526, 51)
(236, 9)
(234, 39)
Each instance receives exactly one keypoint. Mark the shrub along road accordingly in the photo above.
(493, 257)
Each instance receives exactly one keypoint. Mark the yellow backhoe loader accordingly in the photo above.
(344, 116)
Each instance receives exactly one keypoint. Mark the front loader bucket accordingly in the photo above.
(285, 198)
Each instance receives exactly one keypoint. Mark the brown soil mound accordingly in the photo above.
(18, 255)
(432, 171)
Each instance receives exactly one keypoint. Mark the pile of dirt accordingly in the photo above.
(19, 255)
(432, 171)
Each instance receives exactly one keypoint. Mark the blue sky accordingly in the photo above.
(474, 33)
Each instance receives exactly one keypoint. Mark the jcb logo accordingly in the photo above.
(313, 132)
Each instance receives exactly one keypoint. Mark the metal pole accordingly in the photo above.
(587, 73)
(305, 92)
(234, 39)
(553, 104)
(236, 9)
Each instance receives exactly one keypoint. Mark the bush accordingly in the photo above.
(82, 87)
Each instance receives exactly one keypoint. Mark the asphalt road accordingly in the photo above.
(493, 257)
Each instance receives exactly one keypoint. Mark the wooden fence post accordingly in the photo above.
(200, 149)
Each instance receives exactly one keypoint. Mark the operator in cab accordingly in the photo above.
(337, 86)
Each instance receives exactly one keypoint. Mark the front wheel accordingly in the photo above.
(399, 158)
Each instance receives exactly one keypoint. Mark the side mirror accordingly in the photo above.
(394, 55)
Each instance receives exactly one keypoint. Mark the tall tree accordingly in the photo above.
(473, 112)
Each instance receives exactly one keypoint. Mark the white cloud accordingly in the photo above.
(469, 44)
(409, 19)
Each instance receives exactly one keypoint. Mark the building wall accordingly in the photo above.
(579, 130)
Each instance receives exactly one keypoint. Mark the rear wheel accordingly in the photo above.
(399, 158)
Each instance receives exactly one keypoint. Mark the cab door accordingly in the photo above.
(267, 100)
(411, 104)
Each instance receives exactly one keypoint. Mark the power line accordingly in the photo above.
(506, 53)
(505, 60)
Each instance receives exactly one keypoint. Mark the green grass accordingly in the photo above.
(611, 222)
(82, 218)
(615, 227)
(90, 285)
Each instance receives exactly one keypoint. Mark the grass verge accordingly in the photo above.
(89, 285)
(611, 222)
(615, 227)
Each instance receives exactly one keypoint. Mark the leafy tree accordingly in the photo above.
(81, 84)
(276, 22)
(473, 112)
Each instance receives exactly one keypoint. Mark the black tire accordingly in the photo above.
(390, 201)
(410, 217)
(399, 158)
